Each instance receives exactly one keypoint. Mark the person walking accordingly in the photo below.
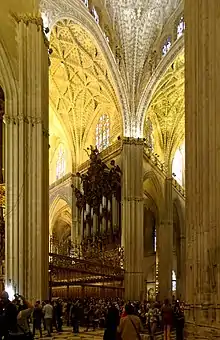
(167, 319)
(37, 318)
(48, 317)
(75, 316)
(179, 320)
(130, 326)
(112, 322)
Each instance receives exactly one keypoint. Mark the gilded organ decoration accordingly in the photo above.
(99, 202)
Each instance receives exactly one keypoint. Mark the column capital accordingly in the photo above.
(31, 18)
(22, 119)
(28, 18)
(133, 198)
(133, 141)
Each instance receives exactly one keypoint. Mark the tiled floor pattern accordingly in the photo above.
(90, 335)
(67, 334)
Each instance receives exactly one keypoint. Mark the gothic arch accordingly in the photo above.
(175, 50)
(150, 175)
(151, 221)
(57, 206)
(180, 212)
(78, 13)
(7, 82)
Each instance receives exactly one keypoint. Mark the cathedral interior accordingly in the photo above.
(109, 152)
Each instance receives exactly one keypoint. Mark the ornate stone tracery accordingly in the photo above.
(81, 85)
(167, 109)
(132, 23)
(135, 21)
(78, 13)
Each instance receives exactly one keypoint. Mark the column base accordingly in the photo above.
(134, 285)
(203, 332)
(202, 322)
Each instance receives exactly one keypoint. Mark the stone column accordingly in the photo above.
(132, 216)
(165, 242)
(27, 175)
(181, 264)
(76, 218)
(202, 59)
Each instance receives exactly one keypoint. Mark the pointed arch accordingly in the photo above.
(59, 203)
(150, 175)
(8, 83)
(181, 215)
(146, 97)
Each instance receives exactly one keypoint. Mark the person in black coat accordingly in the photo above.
(112, 322)
(37, 318)
(59, 313)
(75, 314)
(8, 316)
(179, 321)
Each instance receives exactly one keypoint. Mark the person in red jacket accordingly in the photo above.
(167, 318)
(123, 314)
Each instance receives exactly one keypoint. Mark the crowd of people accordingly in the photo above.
(120, 320)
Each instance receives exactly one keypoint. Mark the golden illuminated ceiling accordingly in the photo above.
(81, 88)
(167, 110)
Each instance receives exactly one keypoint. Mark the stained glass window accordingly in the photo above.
(106, 37)
(154, 239)
(103, 132)
(45, 19)
(179, 164)
(86, 2)
(60, 164)
(95, 15)
(166, 46)
(180, 27)
(173, 281)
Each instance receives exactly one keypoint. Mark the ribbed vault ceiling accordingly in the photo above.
(138, 23)
(80, 84)
(167, 109)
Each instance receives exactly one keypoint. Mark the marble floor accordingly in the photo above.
(90, 335)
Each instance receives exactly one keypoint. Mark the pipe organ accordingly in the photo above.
(99, 203)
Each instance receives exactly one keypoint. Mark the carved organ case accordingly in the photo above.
(99, 204)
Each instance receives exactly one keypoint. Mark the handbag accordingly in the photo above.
(138, 335)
